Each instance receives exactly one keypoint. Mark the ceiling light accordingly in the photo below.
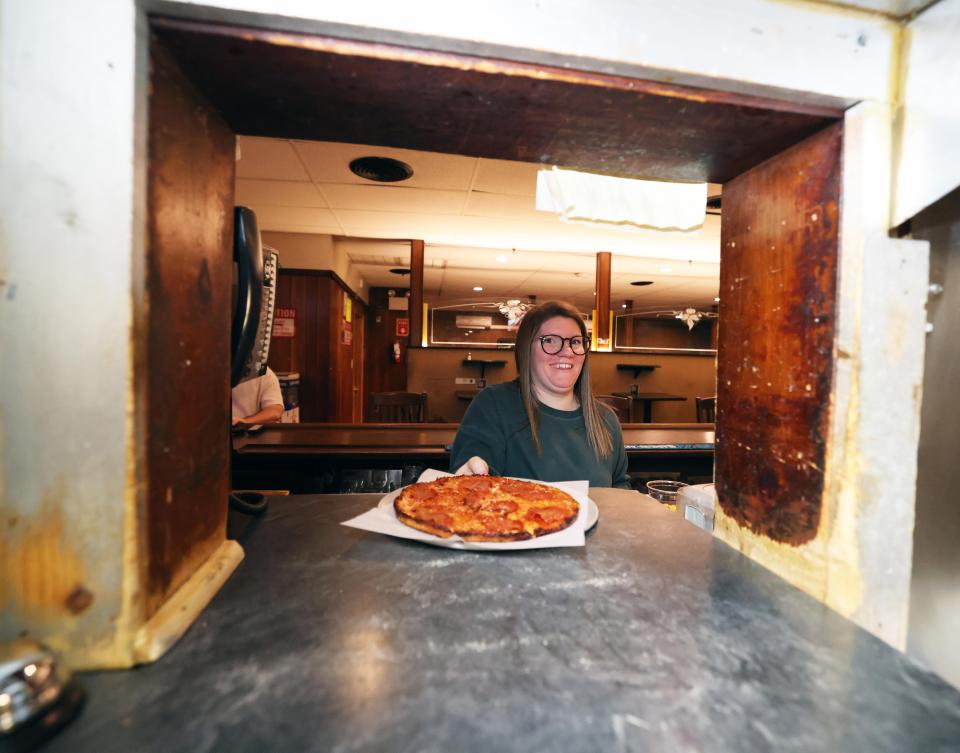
(478, 289)
(665, 270)
(623, 305)
(502, 259)
(400, 271)
(381, 169)
(642, 282)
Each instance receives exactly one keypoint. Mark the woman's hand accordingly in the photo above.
(475, 466)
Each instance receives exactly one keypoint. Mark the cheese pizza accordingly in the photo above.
(485, 508)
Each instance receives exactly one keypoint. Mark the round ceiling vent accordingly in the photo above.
(381, 169)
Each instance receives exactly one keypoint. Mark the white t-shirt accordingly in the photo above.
(256, 394)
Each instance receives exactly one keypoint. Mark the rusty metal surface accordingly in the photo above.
(189, 268)
(778, 286)
(296, 86)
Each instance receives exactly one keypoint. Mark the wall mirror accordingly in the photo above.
(476, 297)
(665, 306)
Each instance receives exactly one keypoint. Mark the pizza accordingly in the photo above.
(485, 508)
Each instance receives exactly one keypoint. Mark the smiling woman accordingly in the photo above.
(544, 425)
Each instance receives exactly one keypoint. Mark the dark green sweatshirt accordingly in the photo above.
(495, 427)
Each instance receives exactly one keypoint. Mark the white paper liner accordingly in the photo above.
(383, 519)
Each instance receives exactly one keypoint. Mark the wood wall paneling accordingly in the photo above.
(189, 267)
(330, 368)
(601, 322)
(382, 373)
(778, 290)
(358, 365)
(306, 352)
(416, 293)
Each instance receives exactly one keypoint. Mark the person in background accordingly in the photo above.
(545, 424)
(257, 400)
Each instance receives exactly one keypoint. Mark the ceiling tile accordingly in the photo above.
(278, 218)
(500, 205)
(269, 158)
(281, 193)
(393, 199)
(504, 177)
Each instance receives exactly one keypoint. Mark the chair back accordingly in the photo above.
(706, 410)
(399, 407)
(620, 405)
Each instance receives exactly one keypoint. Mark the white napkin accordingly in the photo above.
(591, 198)
(383, 519)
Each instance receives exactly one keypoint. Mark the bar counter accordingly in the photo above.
(310, 458)
(397, 440)
(653, 637)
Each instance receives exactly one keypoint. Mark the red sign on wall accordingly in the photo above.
(284, 322)
(403, 327)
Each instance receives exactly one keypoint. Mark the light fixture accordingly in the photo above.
(502, 259)
(400, 271)
(514, 310)
(641, 283)
(690, 316)
(381, 169)
(717, 299)
(666, 270)
(477, 289)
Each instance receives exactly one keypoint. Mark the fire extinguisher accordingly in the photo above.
(396, 352)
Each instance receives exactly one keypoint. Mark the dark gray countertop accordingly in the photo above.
(654, 637)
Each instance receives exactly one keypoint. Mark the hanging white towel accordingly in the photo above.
(591, 198)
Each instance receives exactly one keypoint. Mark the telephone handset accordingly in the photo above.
(256, 294)
(252, 326)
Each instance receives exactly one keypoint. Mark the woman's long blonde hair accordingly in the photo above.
(597, 432)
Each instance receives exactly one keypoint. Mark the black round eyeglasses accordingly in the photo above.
(553, 344)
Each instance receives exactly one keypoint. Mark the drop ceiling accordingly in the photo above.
(478, 221)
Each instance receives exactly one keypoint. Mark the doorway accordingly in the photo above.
(780, 160)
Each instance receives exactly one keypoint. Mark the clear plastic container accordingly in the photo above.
(697, 503)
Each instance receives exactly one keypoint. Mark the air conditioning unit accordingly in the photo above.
(466, 321)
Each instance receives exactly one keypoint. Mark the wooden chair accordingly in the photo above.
(620, 405)
(706, 410)
(399, 407)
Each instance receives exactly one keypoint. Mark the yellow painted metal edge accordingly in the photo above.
(171, 621)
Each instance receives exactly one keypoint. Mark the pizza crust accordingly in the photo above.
(485, 508)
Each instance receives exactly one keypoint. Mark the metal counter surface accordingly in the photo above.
(653, 637)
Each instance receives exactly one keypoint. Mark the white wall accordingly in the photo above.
(927, 157)
(314, 251)
(823, 53)
(71, 258)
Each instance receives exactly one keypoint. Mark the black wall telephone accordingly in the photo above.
(252, 325)
(255, 299)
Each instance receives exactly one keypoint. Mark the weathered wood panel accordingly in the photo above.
(187, 364)
(780, 240)
(299, 86)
